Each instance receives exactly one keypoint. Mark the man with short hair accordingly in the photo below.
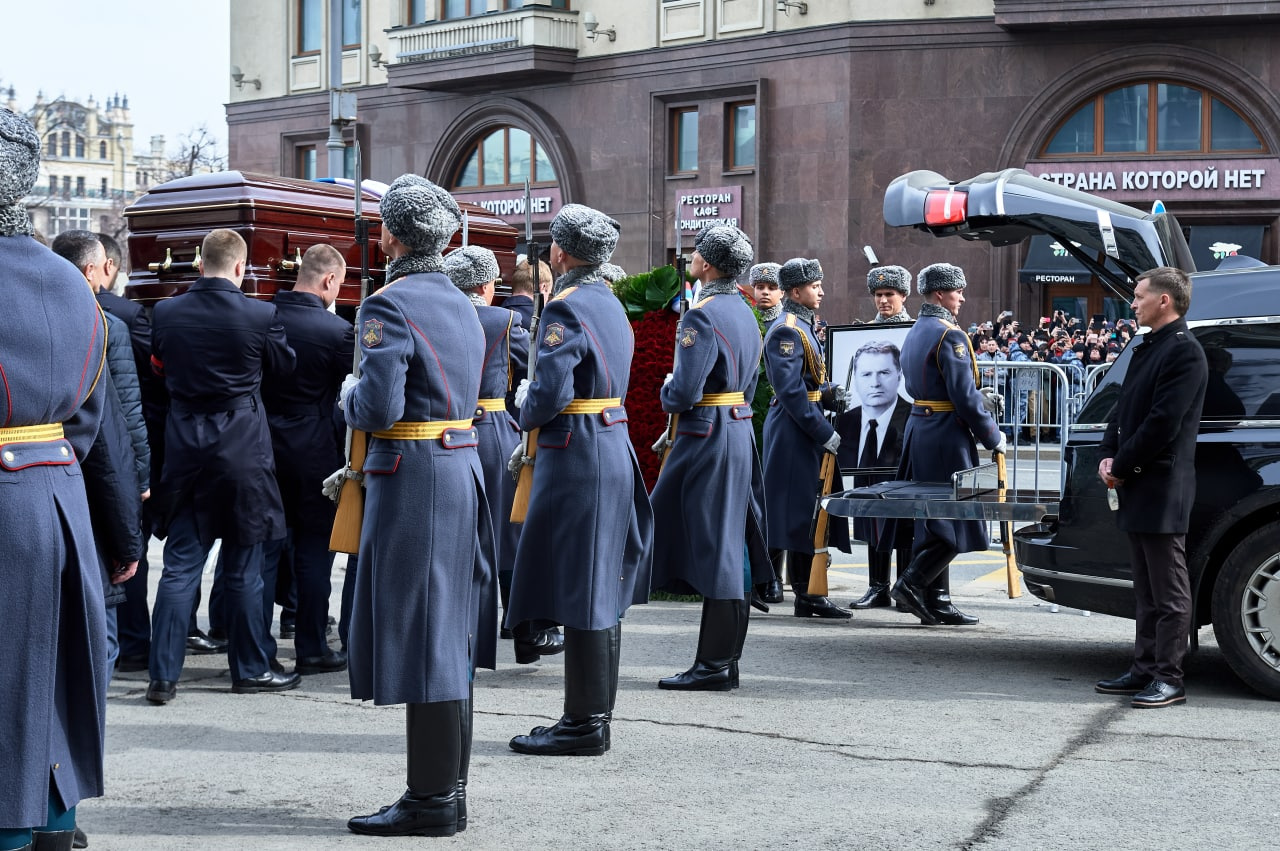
(889, 287)
(212, 346)
(768, 296)
(521, 299)
(114, 267)
(1148, 458)
(307, 439)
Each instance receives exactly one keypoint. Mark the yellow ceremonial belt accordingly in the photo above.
(814, 395)
(32, 433)
(590, 406)
(499, 404)
(717, 400)
(935, 406)
(431, 430)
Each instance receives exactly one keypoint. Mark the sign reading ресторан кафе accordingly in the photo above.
(1190, 180)
(697, 208)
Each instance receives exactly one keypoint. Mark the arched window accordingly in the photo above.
(504, 158)
(1153, 117)
(80, 147)
(102, 150)
(51, 145)
(66, 144)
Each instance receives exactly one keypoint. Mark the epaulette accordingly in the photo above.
(564, 293)
(706, 300)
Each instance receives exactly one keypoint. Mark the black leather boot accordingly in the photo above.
(744, 618)
(940, 605)
(717, 643)
(771, 591)
(930, 558)
(532, 645)
(429, 807)
(588, 682)
(810, 605)
(877, 595)
(52, 840)
(464, 759)
(615, 660)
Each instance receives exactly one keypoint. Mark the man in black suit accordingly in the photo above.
(1148, 459)
(521, 299)
(871, 436)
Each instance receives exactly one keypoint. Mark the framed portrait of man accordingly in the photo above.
(867, 360)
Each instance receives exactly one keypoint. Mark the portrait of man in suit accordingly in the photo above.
(871, 433)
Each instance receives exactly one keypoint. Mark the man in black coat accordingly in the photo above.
(1148, 459)
(212, 346)
(301, 412)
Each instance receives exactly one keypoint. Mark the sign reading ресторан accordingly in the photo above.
(697, 208)
(509, 205)
(1192, 180)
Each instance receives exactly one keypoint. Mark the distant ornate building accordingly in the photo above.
(88, 172)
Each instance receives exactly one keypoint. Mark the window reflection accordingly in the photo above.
(1124, 120)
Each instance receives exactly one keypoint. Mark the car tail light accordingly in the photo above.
(944, 207)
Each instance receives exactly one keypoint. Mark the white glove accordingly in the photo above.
(522, 392)
(332, 485)
(516, 461)
(1003, 446)
(348, 384)
(833, 443)
(992, 401)
(667, 379)
(663, 443)
(835, 399)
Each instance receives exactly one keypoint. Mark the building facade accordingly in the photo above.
(787, 118)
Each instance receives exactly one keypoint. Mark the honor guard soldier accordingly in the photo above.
(474, 270)
(425, 611)
(53, 684)
(212, 346)
(708, 510)
(888, 287)
(795, 431)
(768, 300)
(305, 432)
(948, 414)
(584, 550)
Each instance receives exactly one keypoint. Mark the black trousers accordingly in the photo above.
(1162, 588)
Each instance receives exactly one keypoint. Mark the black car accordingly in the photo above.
(1078, 557)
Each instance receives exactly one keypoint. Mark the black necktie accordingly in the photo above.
(869, 452)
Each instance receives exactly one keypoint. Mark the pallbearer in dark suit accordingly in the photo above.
(53, 682)
(708, 517)
(948, 414)
(1148, 456)
(585, 548)
(301, 413)
(212, 346)
(474, 270)
(796, 433)
(425, 608)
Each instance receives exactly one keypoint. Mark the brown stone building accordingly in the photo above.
(791, 122)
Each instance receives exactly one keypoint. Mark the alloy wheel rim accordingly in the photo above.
(1262, 622)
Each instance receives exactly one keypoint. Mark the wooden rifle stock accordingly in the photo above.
(524, 485)
(349, 519)
(673, 420)
(821, 554)
(1012, 586)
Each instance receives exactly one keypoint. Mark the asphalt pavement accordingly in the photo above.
(869, 733)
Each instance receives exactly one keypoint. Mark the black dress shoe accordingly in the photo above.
(810, 606)
(771, 591)
(274, 664)
(701, 677)
(1126, 683)
(544, 642)
(287, 631)
(162, 691)
(912, 598)
(217, 633)
(132, 663)
(412, 815)
(52, 840)
(505, 634)
(949, 615)
(199, 644)
(877, 597)
(331, 662)
(79, 840)
(757, 602)
(567, 737)
(1159, 694)
(269, 681)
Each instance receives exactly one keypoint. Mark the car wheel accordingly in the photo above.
(1246, 624)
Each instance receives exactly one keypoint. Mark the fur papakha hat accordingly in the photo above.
(798, 271)
(765, 273)
(471, 266)
(889, 278)
(584, 233)
(420, 214)
(724, 247)
(940, 276)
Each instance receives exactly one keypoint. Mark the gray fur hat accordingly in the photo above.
(765, 273)
(940, 276)
(798, 271)
(471, 266)
(19, 168)
(612, 273)
(889, 278)
(420, 214)
(724, 247)
(584, 233)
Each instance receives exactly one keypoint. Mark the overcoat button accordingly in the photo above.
(65, 453)
(8, 456)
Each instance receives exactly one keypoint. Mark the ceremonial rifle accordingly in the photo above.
(828, 473)
(345, 537)
(684, 294)
(529, 439)
(1012, 587)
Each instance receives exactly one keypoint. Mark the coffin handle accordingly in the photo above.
(292, 265)
(164, 266)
